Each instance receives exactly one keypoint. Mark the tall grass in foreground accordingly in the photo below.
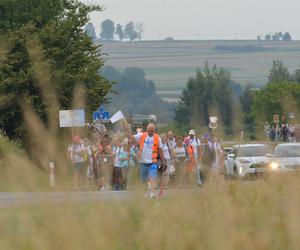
(261, 214)
(221, 215)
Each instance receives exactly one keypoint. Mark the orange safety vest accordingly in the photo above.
(154, 148)
(191, 163)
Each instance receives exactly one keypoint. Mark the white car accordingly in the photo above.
(286, 157)
(248, 160)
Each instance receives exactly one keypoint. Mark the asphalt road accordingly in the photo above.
(28, 198)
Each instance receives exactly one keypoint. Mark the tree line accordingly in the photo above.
(46, 56)
(134, 94)
(277, 36)
(210, 93)
(110, 31)
(281, 96)
(207, 94)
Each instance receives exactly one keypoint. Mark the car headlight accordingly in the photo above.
(274, 165)
(240, 170)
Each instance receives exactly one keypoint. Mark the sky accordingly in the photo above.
(204, 20)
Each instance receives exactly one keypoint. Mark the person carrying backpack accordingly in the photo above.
(194, 153)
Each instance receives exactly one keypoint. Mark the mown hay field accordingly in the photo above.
(170, 64)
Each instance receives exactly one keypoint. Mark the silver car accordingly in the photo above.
(286, 157)
(248, 160)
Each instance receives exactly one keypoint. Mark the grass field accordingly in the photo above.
(222, 215)
(262, 214)
(170, 64)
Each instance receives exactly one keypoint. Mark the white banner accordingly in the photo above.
(71, 118)
(117, 117)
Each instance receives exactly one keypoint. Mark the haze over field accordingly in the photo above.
(213, 19)
(170, 64)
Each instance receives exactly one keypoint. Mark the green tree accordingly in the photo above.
(130, 31)
(276, 36)
(268, 37)
(16, 13)
(279, 98)
(140, 30)
(206, 94)
(286, 37)
(90, 30)
(110, 73)
(134, 94)
(119, 31)
(17, 88)
(107, 30)
(223, 96)
(279, 73)
(246, 101)
(72, 57)
(296, 76)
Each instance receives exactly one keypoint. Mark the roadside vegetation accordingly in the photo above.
(221, 215)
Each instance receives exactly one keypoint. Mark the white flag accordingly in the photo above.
(117, 117)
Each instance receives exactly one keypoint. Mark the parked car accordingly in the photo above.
(286, 157)
(226, 151)
(248, 160)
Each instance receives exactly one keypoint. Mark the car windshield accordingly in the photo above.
(288, 151)
(253, 151)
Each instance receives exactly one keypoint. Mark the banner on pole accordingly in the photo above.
(117, 117)
(71, 118)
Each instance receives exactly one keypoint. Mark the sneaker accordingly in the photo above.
(152, 195)
(102, 188)
(199, 184)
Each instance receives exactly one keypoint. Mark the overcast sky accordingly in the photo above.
(203, 19)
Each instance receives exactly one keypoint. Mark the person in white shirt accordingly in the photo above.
(89, 162)
(180, 161)
(76, 152)
(171, 139)
(168, 156)
(117, 171)
(150, 148)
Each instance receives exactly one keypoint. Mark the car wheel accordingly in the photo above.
(236, 174)
(228, 176)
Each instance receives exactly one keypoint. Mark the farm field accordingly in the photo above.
(171, 63)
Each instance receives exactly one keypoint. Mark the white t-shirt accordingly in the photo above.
(116, 153)
(75, 150)
(166, 151)
(172, 143)
(146, 156)
(180, 152)
(90, 153)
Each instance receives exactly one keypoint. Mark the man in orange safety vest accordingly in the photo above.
(150, 149)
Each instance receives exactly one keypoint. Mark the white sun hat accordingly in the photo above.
(192, 132)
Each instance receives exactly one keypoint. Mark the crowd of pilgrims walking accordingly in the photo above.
(111, 162)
